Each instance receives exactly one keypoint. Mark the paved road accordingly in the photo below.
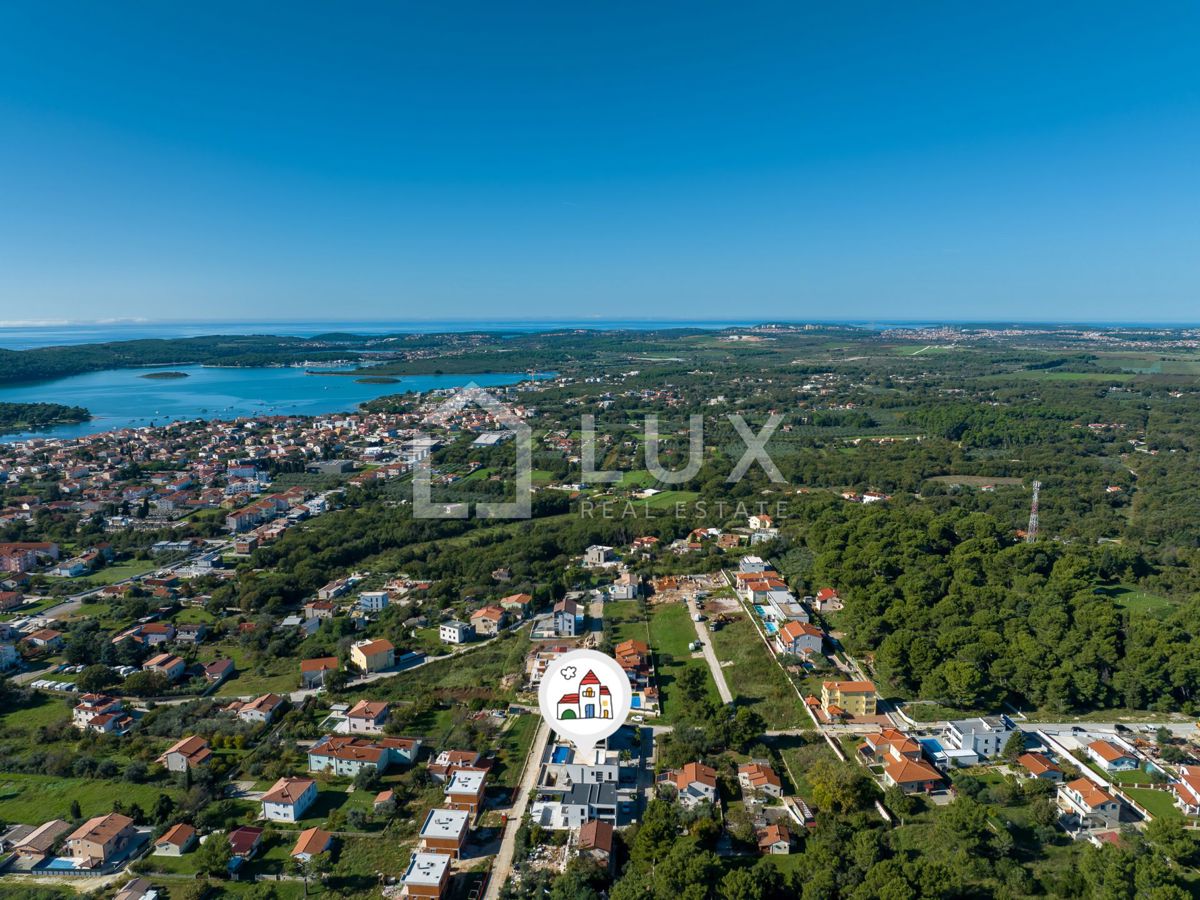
(502, 866)
(596, 612)
(710, 657)
(1179, 729)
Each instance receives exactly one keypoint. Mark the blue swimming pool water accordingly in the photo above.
(561, 754)
(771, 627)
(931, 745)
(57, 863)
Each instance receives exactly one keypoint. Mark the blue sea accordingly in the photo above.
(122, 398)
(25, 336)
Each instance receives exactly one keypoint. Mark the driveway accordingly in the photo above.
(502, 865)
(710, 656)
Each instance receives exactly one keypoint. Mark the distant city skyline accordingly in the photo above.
(675, 162)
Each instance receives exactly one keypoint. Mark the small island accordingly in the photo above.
(20, 416)
(165, 375)
(377, 379)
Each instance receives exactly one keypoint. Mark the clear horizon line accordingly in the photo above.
(593, 321)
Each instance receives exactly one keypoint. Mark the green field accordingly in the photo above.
(512, 747)
(797, 756)
(479, 670)
(670, 632)
(755, 678)
(278, 676)
(32, 799)
(638, 479)
(623, 622)
(667, 499)
(194, 615)
(1135, 600)
(1052, 375)
(43, 709)
(123, 571)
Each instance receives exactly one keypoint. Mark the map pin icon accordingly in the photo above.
(585, 697)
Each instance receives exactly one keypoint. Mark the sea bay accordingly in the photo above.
(124, 398)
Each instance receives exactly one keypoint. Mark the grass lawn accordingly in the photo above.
(512, 747)
(276, 675)
(623, 622)
(668, 499)
(329, 798)
(429, 641)
(798, 757)
(108, 615)
(921, 711)
(976, 481)
(30, 609)
(1135, 600)
(194, 615)
(480, 670)
(360, 860)
(1051, 375)
(1137, 776)
(175, 865)
(32, 799)
(1157, 803)
(43, 709)
(639, 479)
(670, 632)
(123, 571)
(755, 678)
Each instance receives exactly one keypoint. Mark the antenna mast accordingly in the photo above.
(1032, 530)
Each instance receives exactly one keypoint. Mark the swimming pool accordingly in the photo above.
(561, 755)
(56, 864)
(771, 627)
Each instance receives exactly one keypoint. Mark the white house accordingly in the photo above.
(259, 711)
(367, 717)
(1187, 790)
(288, 799)
(455, 632)
(373, 601)
(757, 778)
(695, 783)
(567, 619)
(1112, 757)
(984, 736)
(176, 841)
(798, 639)
(1090, 805)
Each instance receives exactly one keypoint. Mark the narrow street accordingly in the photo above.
(709, 655)
(502, 866)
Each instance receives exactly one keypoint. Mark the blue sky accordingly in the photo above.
(662, 160)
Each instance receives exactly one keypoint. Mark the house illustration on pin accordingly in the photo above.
(593, 700)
